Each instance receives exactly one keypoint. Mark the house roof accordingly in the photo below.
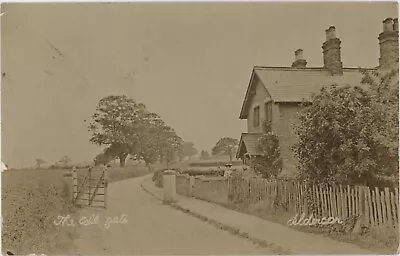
(248, 144)
(285, 84)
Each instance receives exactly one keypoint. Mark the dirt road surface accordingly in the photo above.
(146, 226)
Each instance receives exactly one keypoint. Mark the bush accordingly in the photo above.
(343, 136)
(270, 163)
(205, 172)
(214, 163)
(158, 176)
(63, 167)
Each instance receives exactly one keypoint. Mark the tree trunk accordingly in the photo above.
(122, 159)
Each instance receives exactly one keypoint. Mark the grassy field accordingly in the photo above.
(118, 173)
(31, 202)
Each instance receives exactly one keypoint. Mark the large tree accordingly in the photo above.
(171, 147)
(225, 146)
(156, 140)
(115, 124)
(350, 134)
(188, 149)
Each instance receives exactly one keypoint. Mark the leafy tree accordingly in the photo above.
(225, 146)
(39, 162)
(188, 149)
(384, 88)
(103, 158)
(171, 147)
(156, 140)
(269, 164)
(349, 134)
(204, 154)
(115, 123)
(180, 153)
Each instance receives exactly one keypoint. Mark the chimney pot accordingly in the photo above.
(389, 44)
(299, 62)
(330, 33)
(388, 24)
(298, 54)
(396, 24)
(331, 52)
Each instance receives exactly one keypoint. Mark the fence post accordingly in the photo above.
(105, 186)
(74, 184)
(68, 183)
(191, 185)
(306, 199)
(388, 210)
(361, 220)
(362, 205)
(169, 187)
(89, 180)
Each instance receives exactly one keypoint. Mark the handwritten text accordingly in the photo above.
(311, 221)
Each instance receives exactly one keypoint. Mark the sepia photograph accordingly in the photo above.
(200, 128)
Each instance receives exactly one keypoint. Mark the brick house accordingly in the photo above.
(274, 94)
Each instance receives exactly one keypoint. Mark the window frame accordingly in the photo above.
(268, 115)
(268, 111)
(256, 118)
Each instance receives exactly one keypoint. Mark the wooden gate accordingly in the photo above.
(90, 186)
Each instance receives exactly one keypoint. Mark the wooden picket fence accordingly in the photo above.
(377, 206)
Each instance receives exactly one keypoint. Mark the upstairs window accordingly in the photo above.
(268, 112)
(268, 117)
(256, 117)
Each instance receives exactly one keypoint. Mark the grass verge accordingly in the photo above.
(381, 239)
(31, 202)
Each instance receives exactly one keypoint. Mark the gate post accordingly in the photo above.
(74, 183)
(89, 180)
(191, 185)
(105, 186)
(169, 187)
(68, 183)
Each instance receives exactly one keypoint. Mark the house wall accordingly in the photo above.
(261, 96)
(284, 117)
(283, 126)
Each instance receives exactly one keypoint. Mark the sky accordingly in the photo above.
(188, 62)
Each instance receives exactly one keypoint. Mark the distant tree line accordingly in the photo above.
(226, 146)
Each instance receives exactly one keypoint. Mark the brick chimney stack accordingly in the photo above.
(331, 52)
(299, 62)
(389, 44)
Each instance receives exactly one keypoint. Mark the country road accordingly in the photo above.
(153, 228)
